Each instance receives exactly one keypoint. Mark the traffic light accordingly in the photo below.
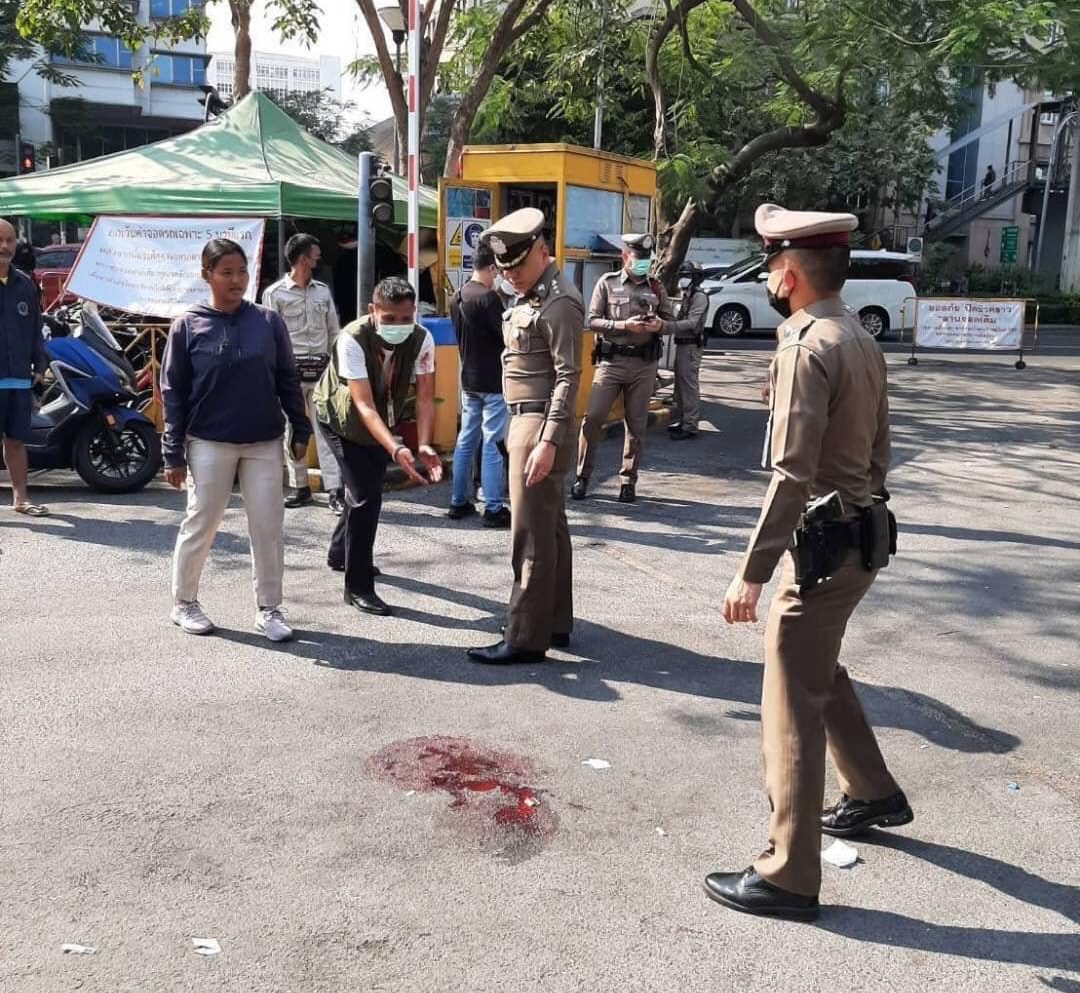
(27, 157)
(381, 193)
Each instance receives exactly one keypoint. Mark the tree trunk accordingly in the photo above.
(241, 22)
(675, 242)
(506, 33)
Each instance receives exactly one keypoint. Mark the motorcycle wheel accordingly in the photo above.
(117, 461)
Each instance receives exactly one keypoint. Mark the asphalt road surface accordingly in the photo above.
(366, 810)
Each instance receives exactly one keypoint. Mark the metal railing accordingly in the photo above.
(1017, 174)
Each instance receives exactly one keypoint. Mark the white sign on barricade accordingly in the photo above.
(961, 324)
(992, 325)
(151, 265)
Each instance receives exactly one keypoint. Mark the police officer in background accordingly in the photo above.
(829, 445)
(541, 369)
(628, 312)
(689, 338)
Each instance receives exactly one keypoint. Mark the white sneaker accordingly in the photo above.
(271, 622)
(189, 617)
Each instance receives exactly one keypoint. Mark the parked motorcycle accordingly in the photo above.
(88, 419)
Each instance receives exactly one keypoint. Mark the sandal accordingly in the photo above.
(31, 509)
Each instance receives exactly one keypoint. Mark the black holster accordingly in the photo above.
(878, 534)
(820, 549)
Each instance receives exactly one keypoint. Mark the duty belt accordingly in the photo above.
(529, 407)
(648, 352)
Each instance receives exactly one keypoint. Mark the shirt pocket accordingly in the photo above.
(619, 307)
(519, 330)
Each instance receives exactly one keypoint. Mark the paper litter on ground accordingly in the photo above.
(597, 763)
(70, 948)
(841, 855)
(206, 946)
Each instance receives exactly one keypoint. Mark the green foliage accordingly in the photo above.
(334, 121)
(15, 48)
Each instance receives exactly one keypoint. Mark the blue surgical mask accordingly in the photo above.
(394, 334)
(640, 267)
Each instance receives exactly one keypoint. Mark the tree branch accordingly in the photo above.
(507, 32)
(394, 84)
(771, 40)
(432, 53)
(652, 70)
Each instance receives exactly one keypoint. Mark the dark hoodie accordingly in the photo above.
(227, 377)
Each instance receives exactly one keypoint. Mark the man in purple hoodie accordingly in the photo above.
(227, 374)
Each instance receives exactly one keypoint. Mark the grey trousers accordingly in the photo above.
(686, 411)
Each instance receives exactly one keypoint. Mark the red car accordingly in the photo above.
(51, 267)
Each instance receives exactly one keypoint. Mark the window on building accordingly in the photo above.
(105, 53)
(272, 79)
(306, 79)
(161, 9)
(224, 69)
(180, 70)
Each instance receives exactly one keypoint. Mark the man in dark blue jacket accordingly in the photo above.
(22, 357)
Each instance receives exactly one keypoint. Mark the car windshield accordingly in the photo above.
(743, 266)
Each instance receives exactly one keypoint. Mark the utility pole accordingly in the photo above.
(365, 236)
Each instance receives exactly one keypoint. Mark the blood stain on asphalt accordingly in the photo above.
(487, 786)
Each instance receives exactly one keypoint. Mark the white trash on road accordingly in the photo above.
(841, 855)
(206, 946)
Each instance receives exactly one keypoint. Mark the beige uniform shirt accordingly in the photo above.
(618, 297)
(830, 425)
(308, 312)
(542, 361)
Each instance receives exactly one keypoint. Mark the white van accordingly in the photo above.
(880, 288)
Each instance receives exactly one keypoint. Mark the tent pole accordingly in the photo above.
(282, 269)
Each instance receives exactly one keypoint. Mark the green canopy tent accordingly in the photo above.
(253, 161)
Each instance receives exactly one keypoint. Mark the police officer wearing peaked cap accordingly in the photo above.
(627, 312)
(829, 440)
(541, 369)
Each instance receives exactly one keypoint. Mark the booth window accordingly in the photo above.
(639, 209)
(180, 70)
(591, 213)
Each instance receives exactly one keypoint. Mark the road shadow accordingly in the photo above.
(882, 927)
(602, 658)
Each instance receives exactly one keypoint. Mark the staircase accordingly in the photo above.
(974, 201)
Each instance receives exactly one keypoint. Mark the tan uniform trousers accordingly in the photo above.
(686, 411)
(635, 380)
(808, 703)
(541, 602)
(213, 466)
(298, 468)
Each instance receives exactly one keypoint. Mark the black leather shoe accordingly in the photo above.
(557, 640)
(627, 493)
(503, 654)
(369, 603)
(848, 816)
(337, 502)
(682, 435)
(459, 511)
(500, 519)
(580, 488)
(747, 892)
(672, 428)
(298, 497)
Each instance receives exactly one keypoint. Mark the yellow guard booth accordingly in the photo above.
(588, 197)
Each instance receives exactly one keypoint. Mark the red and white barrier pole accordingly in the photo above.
(415, 42)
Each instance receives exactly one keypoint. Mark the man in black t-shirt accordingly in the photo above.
(476, 310)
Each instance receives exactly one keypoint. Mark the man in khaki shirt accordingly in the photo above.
(306, 305)
(829, 435)
(541, 369)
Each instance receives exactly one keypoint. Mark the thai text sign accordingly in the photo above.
(992, 325)
(152, 265)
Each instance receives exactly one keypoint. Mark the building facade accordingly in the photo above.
(123, 99)
(278, 75)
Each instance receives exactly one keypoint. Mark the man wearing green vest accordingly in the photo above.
(379, 363)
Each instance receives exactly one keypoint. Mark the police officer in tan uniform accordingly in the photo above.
(830, 454)
(541, 368)
(629, 310)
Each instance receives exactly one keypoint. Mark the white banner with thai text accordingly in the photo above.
(152, 265)
(991, 325)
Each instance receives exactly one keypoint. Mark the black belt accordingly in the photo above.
(531, 407)
(635, 351)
